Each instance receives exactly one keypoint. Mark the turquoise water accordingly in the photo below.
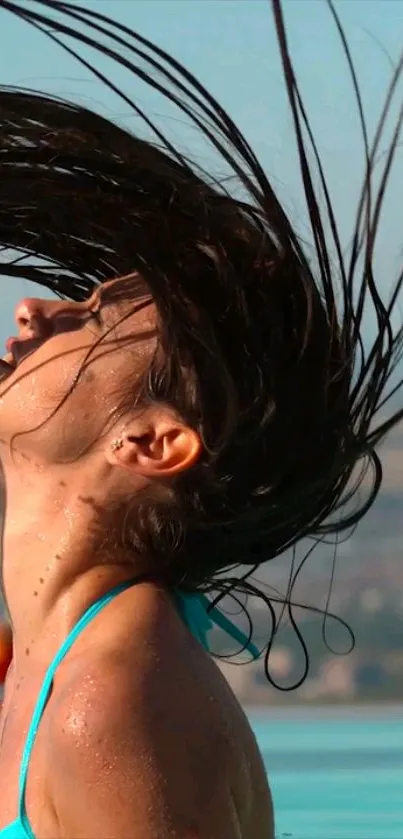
(334, 774)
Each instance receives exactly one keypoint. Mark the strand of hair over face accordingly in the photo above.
(70, 265)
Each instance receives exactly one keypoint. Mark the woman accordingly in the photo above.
(193, 404)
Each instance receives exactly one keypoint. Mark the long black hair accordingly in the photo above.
(260, 346)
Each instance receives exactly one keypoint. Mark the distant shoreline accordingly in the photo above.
(304, 711)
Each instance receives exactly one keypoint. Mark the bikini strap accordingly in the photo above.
(200, 617)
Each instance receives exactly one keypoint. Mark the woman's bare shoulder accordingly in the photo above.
(172, 706)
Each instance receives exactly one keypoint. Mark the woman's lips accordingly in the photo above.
(6, 368)
(7, 363)
(20, 348)
(9, 345)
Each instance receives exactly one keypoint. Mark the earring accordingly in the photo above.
(117, 444)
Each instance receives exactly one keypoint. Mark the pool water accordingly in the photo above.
(334, 774)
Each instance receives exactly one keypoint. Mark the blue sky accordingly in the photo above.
(231, 46)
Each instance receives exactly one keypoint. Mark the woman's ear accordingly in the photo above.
(155, 444)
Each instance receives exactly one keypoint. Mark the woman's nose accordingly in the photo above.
(32, 318)
(38, 318)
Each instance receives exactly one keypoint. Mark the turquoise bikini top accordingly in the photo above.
(199, 617)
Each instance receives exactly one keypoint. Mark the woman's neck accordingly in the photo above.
(60, 553)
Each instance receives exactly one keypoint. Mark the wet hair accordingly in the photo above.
(261, 345)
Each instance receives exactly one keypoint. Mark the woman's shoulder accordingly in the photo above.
(163, 702)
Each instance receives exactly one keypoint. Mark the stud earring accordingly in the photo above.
(117, 444)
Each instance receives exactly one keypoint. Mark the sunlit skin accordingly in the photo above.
(108, 760)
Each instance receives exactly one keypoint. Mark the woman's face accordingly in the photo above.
(72, 367)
